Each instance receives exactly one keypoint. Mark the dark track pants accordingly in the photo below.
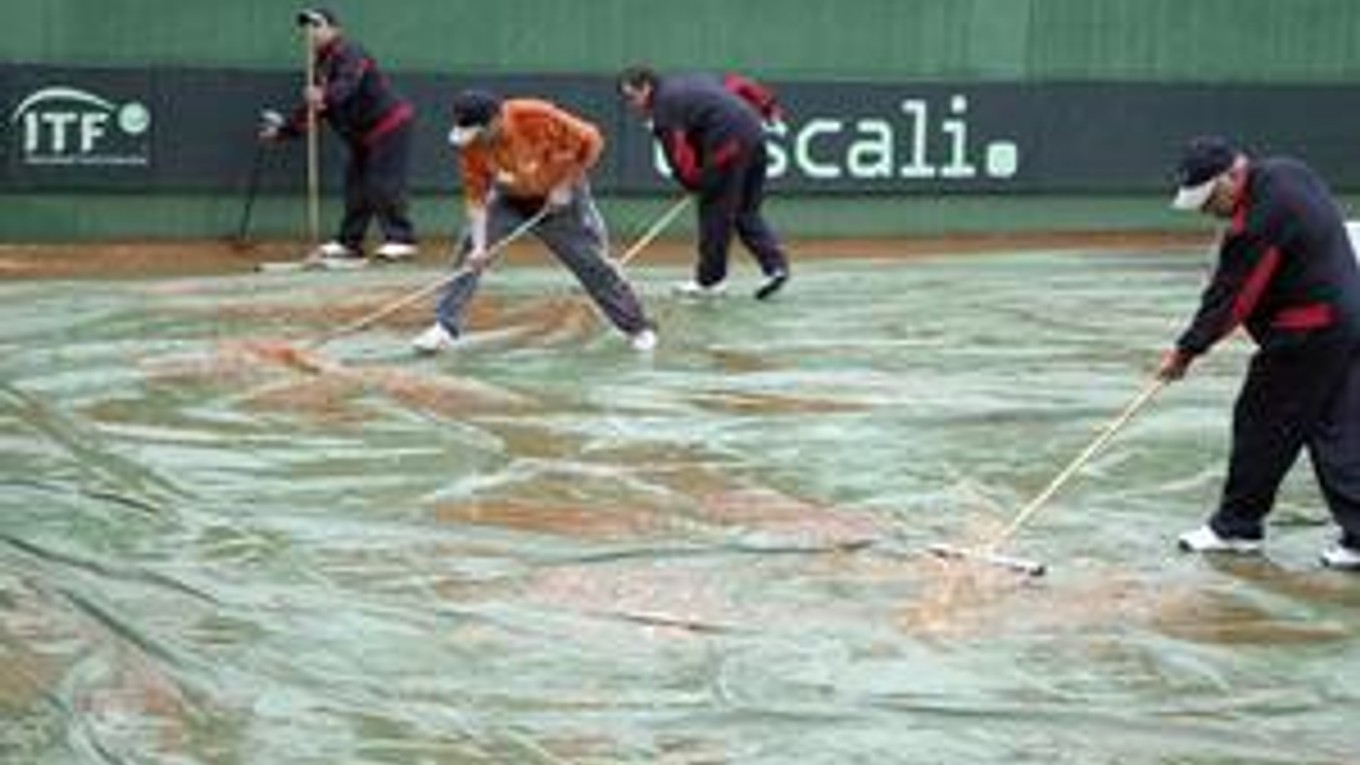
(733, 205)
(375, 186)
(1305, 396)
(576, 236)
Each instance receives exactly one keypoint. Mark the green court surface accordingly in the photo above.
(546, 548)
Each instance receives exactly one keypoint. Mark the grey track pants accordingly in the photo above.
(576, 236)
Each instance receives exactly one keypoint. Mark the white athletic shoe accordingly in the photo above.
(694, 289)
(772, 284)
(334, 256)
(434, 340)
(395, 251)
(1206, 540)
(334, 249)
(643, 341)
(1341, 557)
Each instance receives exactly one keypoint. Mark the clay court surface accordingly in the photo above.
(546, 548)
(134, 259)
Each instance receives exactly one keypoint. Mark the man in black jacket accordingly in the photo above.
(1287, 272)
(710, 129)
(375, 123)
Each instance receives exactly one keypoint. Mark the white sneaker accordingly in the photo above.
(694, 289)
(772, 284)
(1206, 540)
(334, 249)
(1341, 557)
(394, 251)
(643, 341)
(334, 256)
(434, 340)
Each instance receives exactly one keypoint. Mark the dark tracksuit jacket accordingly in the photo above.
(710, 130)
(1287, 272)
(376, 124)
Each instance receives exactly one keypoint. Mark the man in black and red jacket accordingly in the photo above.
(376, 125)
(710, 129)
(1286, 270)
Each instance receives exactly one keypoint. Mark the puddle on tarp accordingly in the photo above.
(547, 549)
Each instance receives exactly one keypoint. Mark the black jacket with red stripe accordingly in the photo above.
(1285, 265)
(704, 123)
(361, 104)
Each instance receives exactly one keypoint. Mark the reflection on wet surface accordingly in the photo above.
(544, 548)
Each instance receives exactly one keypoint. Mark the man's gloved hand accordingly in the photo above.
(560, 196)
(315, 97)
(270, 125)
(477, 260)
(1175, 363)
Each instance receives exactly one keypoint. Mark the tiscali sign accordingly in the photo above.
(913, 140)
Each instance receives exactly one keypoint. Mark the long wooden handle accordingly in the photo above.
(415, 295)
(655, 230)
(313, 142)
(1114, 426)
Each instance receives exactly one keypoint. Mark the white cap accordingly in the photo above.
(1194, 197)
(1205, 160)
(462, 136)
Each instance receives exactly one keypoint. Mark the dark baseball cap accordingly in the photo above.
(317, 17)
(475, 108)
(1204, 159)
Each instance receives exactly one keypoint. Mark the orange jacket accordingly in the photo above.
(537, 147)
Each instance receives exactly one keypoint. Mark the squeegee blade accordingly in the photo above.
(1024, 566)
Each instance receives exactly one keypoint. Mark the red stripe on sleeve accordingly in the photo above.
(686, 163)
(1255, 285)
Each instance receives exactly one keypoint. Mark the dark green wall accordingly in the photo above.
(1196, 40)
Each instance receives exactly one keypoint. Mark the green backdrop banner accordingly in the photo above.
(192, 129)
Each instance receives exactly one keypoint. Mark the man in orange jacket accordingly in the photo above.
(520, 158)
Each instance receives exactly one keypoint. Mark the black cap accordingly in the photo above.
(475, 108)
(1204, 159)
(317, 17)
(638, 76)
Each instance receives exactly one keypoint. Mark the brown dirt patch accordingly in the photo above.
(136, 259)
(583, 520)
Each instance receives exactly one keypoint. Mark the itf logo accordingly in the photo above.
(67, 126)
